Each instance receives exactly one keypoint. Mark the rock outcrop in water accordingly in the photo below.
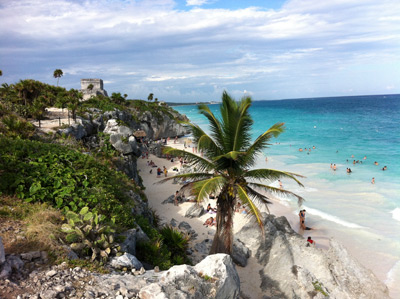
(293, 270)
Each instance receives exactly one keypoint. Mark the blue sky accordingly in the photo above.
(192, 50)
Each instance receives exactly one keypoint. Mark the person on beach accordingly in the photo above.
(376, 163)
(176, 138)
(210, 209)
(280, 184)
(384, 168)
(209, 222)
(176, 202)
(310, 242)
(373, 181)
(301, 216)
(334, 167)
(159, 172)
(165, 172)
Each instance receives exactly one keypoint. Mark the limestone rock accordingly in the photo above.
(124, 143)
(129, 244)
(187, 229)
(293, 270)
(240, 253)
(221, 267)
(31, 255)
(170, 199)
(194, 211)
(126, 261)
(2, 253)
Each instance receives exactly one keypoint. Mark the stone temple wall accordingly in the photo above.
(97, 83)
(97, 88)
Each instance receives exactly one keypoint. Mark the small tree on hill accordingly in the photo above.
(90, 87)
(150, 97)
(58, 74)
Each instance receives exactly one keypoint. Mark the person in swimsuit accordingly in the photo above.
(310, 241)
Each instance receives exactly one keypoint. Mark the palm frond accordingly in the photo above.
(215, 124)
(278, 191)
(258, 196)
(262, 141)
(272, 175)
(203, 188)
(236, 123)
(243, 125)
(187, 177)
(193, 159)
(246, 200)
(232, 155)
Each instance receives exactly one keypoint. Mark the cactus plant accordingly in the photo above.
(89, 235)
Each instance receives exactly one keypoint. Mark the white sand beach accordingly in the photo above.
(157, 193)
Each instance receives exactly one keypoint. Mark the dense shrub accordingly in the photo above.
(67, 179)
(166, 248)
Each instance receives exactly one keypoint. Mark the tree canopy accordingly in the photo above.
(226, 167)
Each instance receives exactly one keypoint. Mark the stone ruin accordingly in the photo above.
(96, 90)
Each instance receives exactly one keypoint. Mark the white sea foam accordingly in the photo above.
(396, 214)
(332, 218)
(392, 279)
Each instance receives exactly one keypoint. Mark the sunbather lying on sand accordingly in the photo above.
(209, 222)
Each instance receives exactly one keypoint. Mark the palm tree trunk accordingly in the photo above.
(223, 238)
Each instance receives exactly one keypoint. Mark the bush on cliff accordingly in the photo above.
(67, 179)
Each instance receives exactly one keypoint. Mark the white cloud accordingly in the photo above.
(196, 2)
(139, 46)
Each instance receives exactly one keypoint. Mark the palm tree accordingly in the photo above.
(74, 98)
(150, 97)
(57, 74)
(226, 166)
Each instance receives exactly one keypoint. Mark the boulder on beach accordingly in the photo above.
(292, 269)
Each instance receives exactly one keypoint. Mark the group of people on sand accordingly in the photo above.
(302, 216)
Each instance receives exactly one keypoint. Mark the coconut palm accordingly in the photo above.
(58, 74)
(226, 167)
(150, 97)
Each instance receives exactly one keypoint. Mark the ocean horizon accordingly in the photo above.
(358, 132)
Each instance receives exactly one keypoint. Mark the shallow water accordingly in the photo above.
(365, 217)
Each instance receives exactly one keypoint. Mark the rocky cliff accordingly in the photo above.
(121, 126)
(291, 269)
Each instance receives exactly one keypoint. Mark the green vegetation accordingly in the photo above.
(167, 247)
(229, 155)
(58, 74)
(44, 185)
(318, 286)
(90, 235)
(66, 179)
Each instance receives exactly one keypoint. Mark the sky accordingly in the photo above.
(193, 50)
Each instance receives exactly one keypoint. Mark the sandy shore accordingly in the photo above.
(157, 193)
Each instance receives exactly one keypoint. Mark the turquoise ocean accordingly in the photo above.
(364, 217)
